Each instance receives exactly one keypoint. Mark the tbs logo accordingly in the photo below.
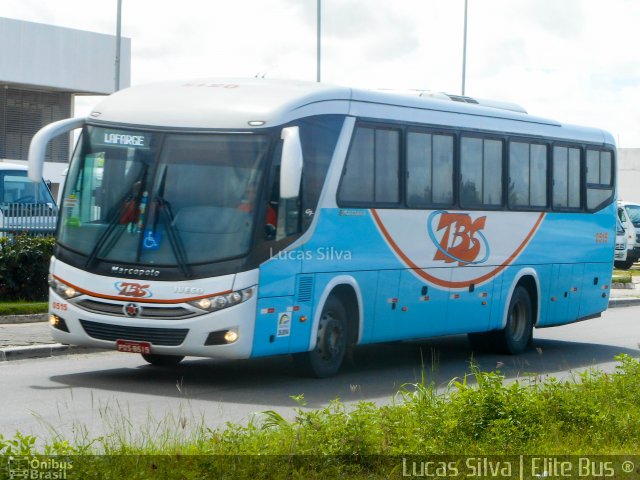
(460, 238)
(135, 290)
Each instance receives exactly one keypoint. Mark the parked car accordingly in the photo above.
(25, 206)
(620, 255)
(629, 215)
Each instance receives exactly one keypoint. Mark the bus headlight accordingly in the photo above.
(62, 289)
(219, 302)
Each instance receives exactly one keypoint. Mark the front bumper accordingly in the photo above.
(239, 317)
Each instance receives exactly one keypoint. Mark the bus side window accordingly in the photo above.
(599, 178)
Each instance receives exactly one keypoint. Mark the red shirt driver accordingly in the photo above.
(248, 203)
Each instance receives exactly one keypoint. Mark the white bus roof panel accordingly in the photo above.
(234, 103)
(219, 103)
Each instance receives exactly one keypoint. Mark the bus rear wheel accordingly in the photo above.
(326, 358)
(162, 360)
(517, 334)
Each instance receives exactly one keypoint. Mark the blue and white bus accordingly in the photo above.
(244, 218)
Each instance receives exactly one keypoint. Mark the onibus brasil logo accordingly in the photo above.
(458, 238)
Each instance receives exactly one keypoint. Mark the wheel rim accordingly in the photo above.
(518, 323)
(330, 337)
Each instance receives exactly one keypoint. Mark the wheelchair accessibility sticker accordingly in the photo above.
(152, 239)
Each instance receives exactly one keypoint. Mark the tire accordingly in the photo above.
(624, 265)
(517, 334)
(162, 360)
(326, 358)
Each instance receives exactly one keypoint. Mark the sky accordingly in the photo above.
(576, 61)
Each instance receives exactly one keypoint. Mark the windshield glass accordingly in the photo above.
(634, 214)
(17, 188)
(162, 199)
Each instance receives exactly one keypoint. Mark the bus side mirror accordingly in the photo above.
(291, 163)
(38, 147)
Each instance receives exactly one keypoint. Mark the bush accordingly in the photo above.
(24, 265)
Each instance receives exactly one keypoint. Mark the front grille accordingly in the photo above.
(101, 307)
(170, 337)
(156, 312)
(620, 246)
(166, 312)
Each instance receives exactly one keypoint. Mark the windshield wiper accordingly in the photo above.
(164, 208)
(174, 237)
(131, 196)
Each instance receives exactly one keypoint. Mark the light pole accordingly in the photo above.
(464, 49)
(318, 45)
(118, 41)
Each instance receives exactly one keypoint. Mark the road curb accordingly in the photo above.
(623, 302)
(30, 318)
(43, 351)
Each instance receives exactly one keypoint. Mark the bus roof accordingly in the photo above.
(260, 103)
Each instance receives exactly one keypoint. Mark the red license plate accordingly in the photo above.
(133, 347)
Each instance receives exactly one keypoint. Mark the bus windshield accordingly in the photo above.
(634, 214)
(162, 199)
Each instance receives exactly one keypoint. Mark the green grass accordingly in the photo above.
(593, 413)
(621, 277)
(633, 271)
(625, 276)
(22, 308)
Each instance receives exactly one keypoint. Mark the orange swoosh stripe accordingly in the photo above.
(444, 283)
(139, 300)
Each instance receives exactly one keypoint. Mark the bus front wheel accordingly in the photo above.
(326, 358)
(517, 334)
(162, 360)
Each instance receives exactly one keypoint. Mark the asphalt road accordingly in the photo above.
(90, 394)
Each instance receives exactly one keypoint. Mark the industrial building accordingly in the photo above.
(629, 174)
(42, 69)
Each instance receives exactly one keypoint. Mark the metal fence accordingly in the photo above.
(33, 219)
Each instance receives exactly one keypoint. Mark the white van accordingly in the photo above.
(629, 215)
(25, 206)
(620, 254)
